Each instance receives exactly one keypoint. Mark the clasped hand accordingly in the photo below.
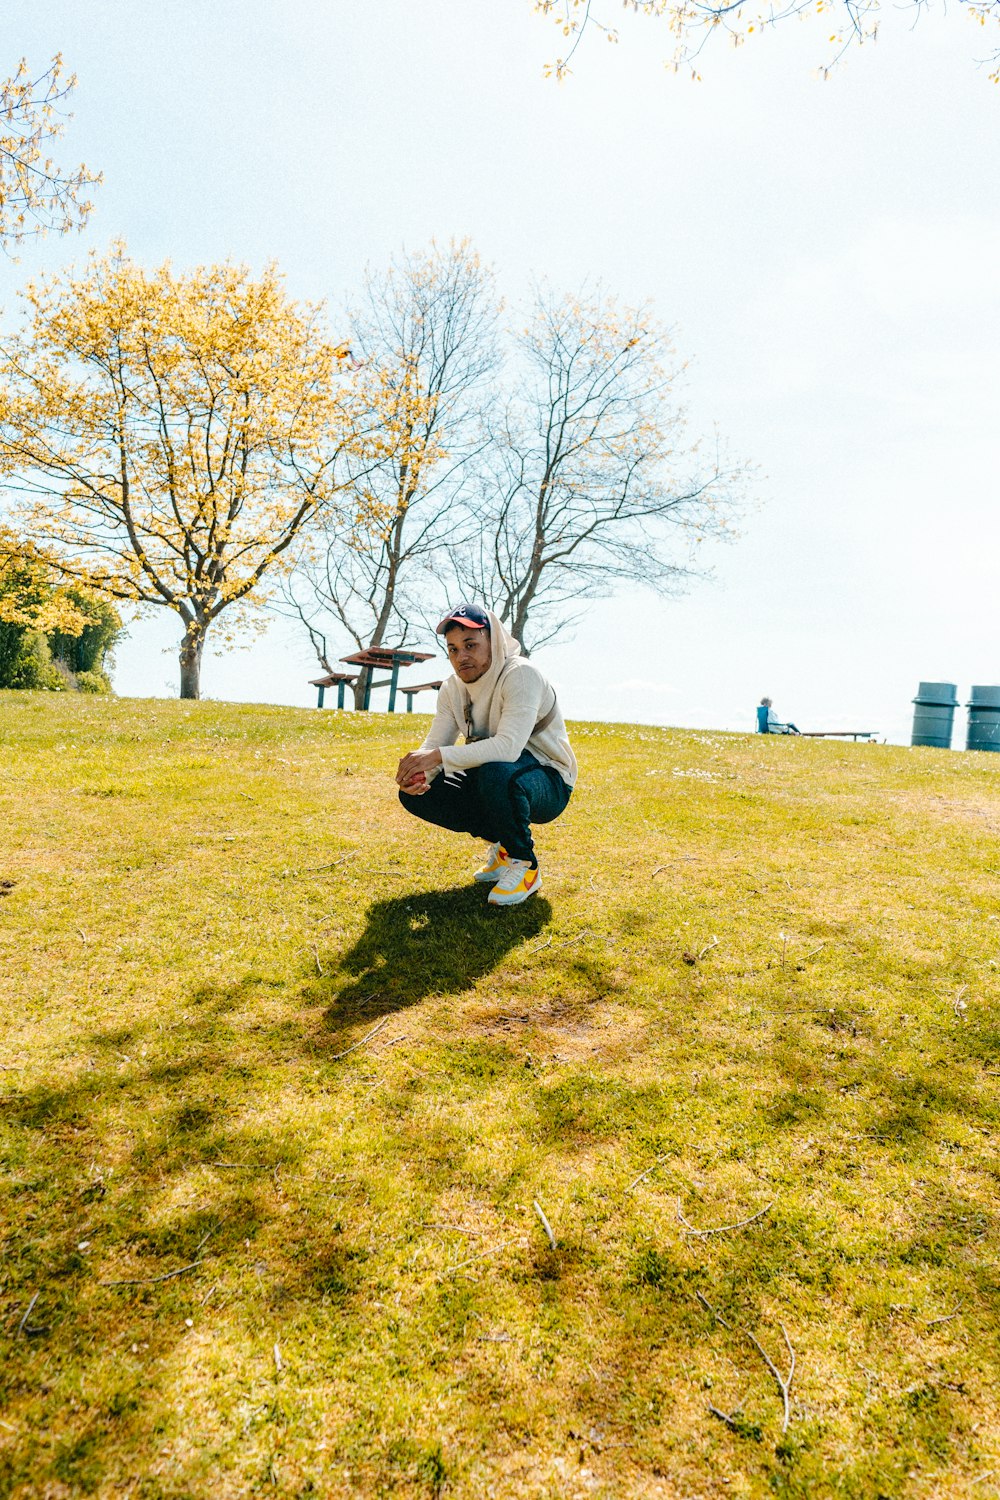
(411, 773)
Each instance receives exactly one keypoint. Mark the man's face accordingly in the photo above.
(469, 652)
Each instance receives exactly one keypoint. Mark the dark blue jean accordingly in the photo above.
(496, 802)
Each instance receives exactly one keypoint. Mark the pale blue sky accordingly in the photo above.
(826, 251)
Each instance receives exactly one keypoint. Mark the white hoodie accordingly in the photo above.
(506, 703)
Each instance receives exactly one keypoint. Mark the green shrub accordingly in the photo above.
(33, 656)
(93, 682)
(88, 651)
(26, 661)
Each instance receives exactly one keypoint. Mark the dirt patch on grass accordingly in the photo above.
(978, 814)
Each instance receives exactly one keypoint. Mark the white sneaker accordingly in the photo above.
(518, 881)
(495, 865)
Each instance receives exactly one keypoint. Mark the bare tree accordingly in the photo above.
(426, 341)
(590, 480)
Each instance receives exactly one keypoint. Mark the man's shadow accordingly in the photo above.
(434, 943)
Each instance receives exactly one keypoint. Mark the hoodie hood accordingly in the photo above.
(503, 646)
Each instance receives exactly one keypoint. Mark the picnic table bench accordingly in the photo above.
(420, 687)
(339, 680)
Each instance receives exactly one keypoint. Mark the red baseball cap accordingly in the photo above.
(471, 615)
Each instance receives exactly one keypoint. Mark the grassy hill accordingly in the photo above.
(279, 1095)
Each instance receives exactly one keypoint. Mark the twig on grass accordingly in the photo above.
(148, 1280)
(495, 1250)
(813, 952)
(643, 1175)
(278, 1366)
(784, 1383)
(932, 1322)
(567, 944)
(455, 1229)
(701, 1234)
(319, 967)
(709, 1308)
(83, 936)
(708, 946)
(958, 1004)
(730, 1419)
(317, 869)
(242, 1166)
(366, 1038)
(539, 1210)
(579, 938)
(27, 1315)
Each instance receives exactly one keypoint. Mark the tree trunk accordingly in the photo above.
(359, 687)
(364, 673)
(191, 649)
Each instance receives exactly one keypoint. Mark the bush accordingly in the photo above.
(34, 651)
(26, 661)
(93, 682)
(86, 653)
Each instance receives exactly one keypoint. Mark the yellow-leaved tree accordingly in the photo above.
(36, 194)
(170, 434)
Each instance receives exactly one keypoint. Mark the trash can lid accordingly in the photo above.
(937, 692)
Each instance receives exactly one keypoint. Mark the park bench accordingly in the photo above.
(420, 687)
(838, 734)
(339, 680)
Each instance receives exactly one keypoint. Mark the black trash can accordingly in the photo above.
(984, 719)
(934, 714)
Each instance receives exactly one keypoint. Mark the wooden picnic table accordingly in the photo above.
(385, 658)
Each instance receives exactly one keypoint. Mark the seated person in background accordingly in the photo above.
(515, 767)
(768, 721)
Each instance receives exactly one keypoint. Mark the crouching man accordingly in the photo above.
(516, 766)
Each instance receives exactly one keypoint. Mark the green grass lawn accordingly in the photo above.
(240, 1257)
